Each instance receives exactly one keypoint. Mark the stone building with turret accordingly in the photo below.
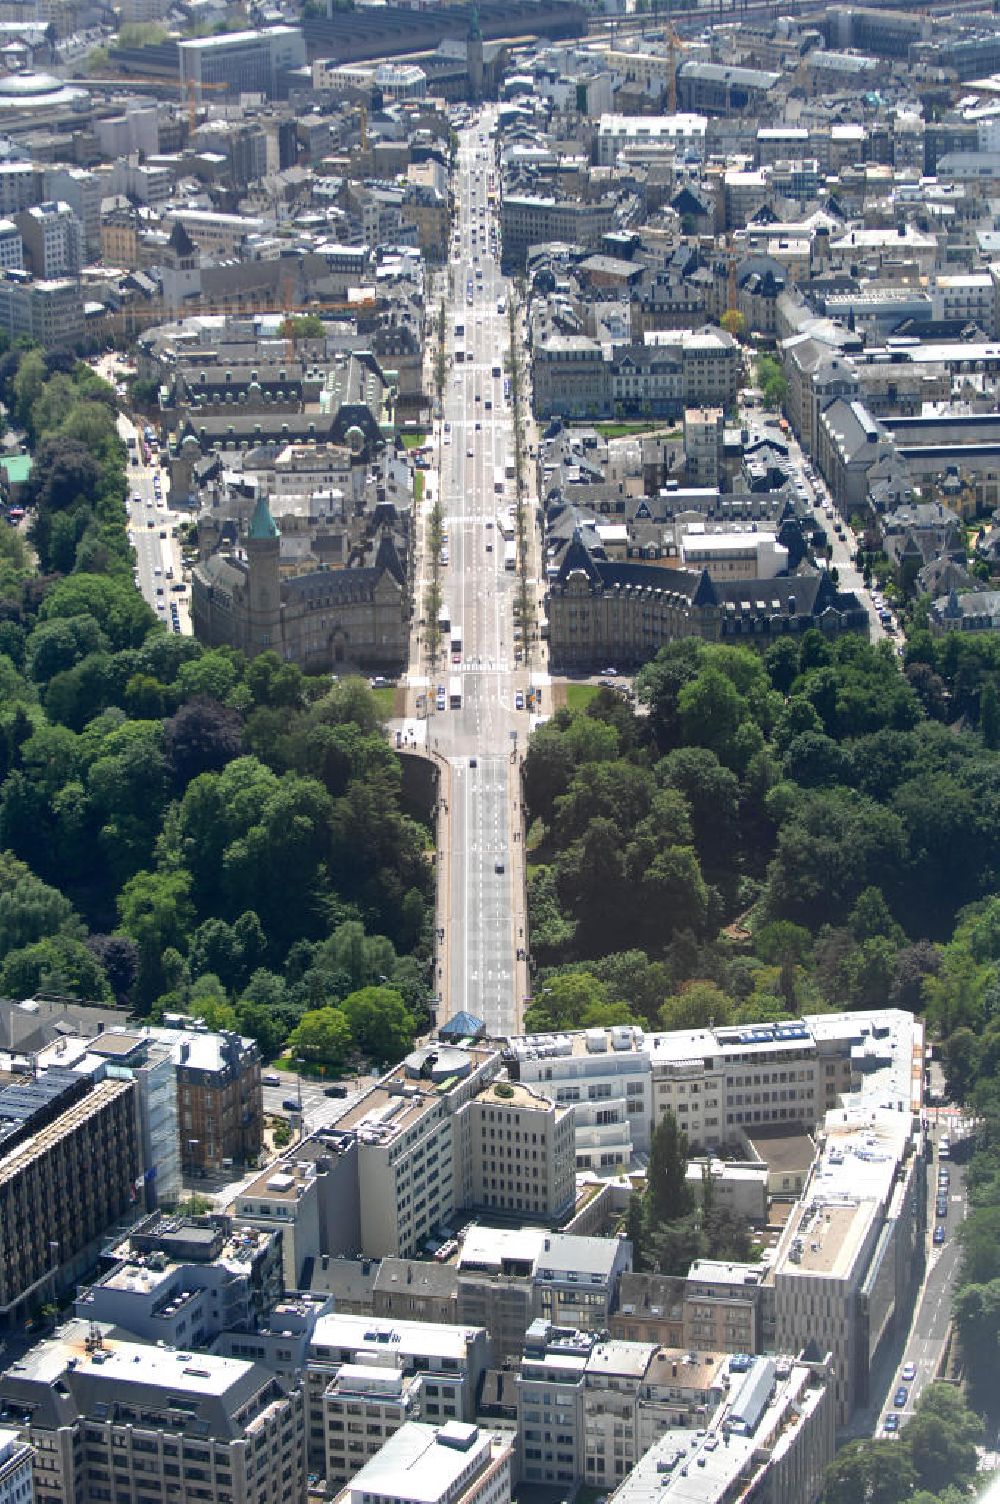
(315, 615)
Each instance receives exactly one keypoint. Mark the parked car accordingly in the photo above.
(901, 1396)
(908, 1373)
(939, 1233)
(892, 1422)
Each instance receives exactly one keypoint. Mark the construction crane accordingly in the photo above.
(674, 45)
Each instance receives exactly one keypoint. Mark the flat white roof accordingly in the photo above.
(421, 1463)
(380, 1333)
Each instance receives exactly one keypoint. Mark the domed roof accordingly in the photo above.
(18, 90)
(438, 1063)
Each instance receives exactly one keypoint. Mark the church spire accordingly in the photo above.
(262, 524)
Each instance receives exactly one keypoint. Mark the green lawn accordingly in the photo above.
(418, 486)
(579, 696)
(385, 701)
(620, 430)
(413, 438)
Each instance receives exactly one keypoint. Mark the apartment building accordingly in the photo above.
(70, 1160)
(704, 428)
(450, 1464)
(771, 1436)
(220, 1098)
(449, 1360)
(103, 1414)
(17, 1484)
(522, 1150)
(722, 1306)
(550, 1426)
(716, 1307)
(182, 1281)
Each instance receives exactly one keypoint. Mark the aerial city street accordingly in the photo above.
(499, 753)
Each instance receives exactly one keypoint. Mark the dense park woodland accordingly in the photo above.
(814, 827)
(184, 829)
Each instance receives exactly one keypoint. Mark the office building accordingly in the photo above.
(49, 312)
(850, 1257)
(771, 1437)
(600, 1070)
(18, 187)
(406, 1139)
(507, 1277)
(70, 1162)
(363, 1405)
(285, 1199)
(82, 191)
(148, 1422)
(240, 62)
(450, 1361)
(630, 136)
(52, 239)
(11, 246)
(150, 1064)
(522, 1150)
(450, 1464)
(16, 1480)
(589, 1406)
(182, 1281)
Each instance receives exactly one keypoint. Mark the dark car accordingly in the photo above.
(892, 1422)
(335, 1091)
(900, 1398)
(290, 1104)
(939, 1234)
(942, 1207)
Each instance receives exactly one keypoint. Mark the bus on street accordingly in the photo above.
(510, 557)
(455, 692)
(456, 643)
